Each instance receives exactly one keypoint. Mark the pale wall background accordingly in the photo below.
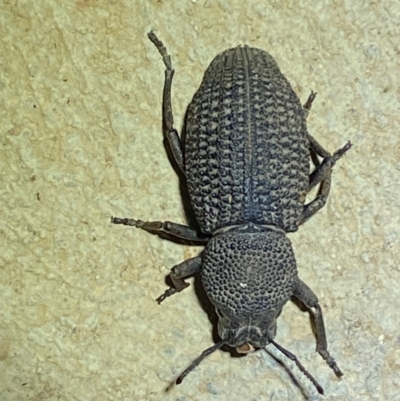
(80, 92)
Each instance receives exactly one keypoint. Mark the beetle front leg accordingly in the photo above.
(165, 228)
(303, 293)
(178, 273)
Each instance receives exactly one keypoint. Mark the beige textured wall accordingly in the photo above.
(80, 92)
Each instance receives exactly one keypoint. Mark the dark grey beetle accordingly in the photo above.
(246, 159)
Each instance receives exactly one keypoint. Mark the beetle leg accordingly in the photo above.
(325, 185)
(317, 147)
(318, 203)
(321, 175)
(178, 273)
(307, 105)
(303, 293)
(165, 229)
(324, 169)
(168, 119)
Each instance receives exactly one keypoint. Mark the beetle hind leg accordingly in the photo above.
(307, 105)
(170, 132)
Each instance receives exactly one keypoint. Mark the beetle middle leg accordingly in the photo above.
(303, 293)
(321, 175)
(165, 229)
(168, 229)
(324, 168)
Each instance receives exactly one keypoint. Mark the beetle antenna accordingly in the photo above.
(205, 353)
(299, 365)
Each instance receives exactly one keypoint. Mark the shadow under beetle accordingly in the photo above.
(246, 159)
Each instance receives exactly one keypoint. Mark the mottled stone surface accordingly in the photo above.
(80, 93)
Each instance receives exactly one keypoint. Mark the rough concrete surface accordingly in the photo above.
(81, 140)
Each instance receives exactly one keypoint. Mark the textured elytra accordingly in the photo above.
(249, 274)
(246, 147)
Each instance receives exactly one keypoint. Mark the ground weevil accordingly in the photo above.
(246, 159)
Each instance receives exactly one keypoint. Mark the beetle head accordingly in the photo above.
(246, 335)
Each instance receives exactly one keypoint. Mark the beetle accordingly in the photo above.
(246, 159)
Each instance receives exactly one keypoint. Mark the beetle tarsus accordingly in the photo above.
(170, 291)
